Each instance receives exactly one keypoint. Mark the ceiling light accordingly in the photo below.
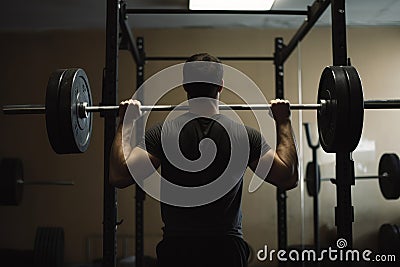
(230, 4)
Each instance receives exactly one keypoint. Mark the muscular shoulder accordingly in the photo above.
(253, 133)
(258, 144)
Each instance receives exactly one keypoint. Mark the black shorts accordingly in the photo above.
(229, 251)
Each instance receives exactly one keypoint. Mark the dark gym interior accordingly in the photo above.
(72, 213)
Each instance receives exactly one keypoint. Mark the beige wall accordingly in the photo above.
(29, 58)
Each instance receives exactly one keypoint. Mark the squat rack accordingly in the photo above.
(119, 36)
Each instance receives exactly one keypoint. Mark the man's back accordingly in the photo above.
(223, 169)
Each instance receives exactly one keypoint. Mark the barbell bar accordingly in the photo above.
(84, 108)
(388, 176)
(69, 109)
(366, 177)
(60, 182)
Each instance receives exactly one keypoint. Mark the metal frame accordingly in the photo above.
(127, 38)
(345, 178)
(314, 148)
(139, 193)
(117, 23)
(215, 12)
(281, 195)
(109, 97)
(315, 11)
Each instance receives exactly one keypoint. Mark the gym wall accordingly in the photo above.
(29, 57)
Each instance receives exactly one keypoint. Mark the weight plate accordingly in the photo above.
(356, 113)
(76, 131)
(12, 177)
(389, 239)
(340, 121)
(389, 176)
(53, 127)
(59, 248)
(312, 190)
(49, 247)
(38, 249)
(333, 119)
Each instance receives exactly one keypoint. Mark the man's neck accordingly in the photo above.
(204, 107)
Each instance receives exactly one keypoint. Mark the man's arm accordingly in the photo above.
(142, 163)
(284, 170)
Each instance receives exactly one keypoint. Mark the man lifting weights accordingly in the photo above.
(209, 234)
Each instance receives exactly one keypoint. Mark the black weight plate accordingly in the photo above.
(333, 120)
(76, 131)
(397, 227)
(356, 113)
(49, 247)
(389, 240)
(11, 181)
(38, 249)
(312, 190)
(389, 176)
(47, 232)
(59, 248)
(46, 257)
(52, 247)
(52, 116)
(54, 254)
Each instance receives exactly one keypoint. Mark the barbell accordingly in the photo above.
(69, 109)
(388, 176)
(12, 181)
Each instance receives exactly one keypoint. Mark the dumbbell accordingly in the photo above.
(12, 181)
(388, 176)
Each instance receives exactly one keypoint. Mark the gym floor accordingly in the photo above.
(29, 57)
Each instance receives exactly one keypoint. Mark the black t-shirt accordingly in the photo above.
(232, 141)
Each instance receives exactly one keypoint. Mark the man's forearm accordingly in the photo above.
(120, 148)
(286, 145)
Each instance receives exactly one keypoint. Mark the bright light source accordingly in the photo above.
(230, 4)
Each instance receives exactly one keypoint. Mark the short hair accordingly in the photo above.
(207, 70)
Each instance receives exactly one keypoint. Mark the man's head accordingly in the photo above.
(204, 68)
